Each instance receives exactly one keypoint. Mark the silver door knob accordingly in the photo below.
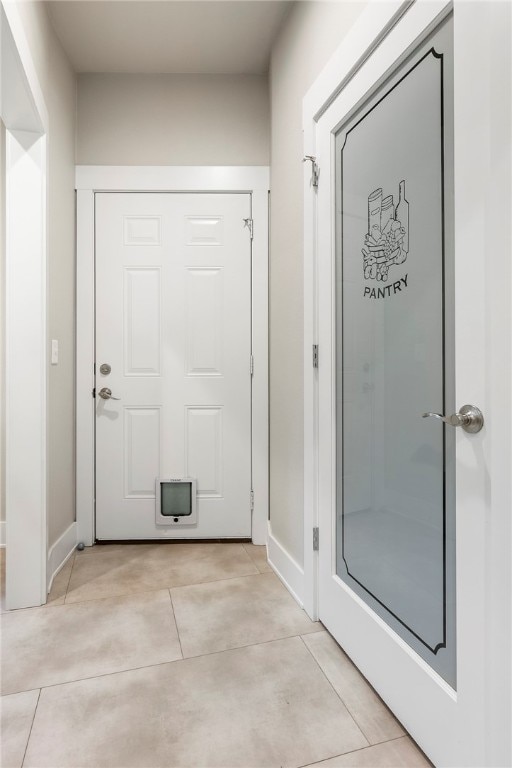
(470, 418)
(106, 394)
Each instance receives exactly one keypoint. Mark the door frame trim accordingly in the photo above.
(200, 179)
(26, 121)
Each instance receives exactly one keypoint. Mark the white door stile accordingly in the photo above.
(85, 413)
(260, 438)
(469, 726)
(483, 69)
(208, 179)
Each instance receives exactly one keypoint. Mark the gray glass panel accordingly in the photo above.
(394, 343)
(176, 499)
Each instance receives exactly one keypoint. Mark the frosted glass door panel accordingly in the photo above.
(395, 484)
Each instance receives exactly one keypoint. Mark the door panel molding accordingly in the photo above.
(208, 179)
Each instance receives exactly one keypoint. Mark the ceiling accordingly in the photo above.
(159, 36)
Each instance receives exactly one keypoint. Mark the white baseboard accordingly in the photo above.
(60, 552)
(2, 533)
(286, 568)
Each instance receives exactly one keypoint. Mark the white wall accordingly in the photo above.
(58, 84)
(172, 119)
(310, 35)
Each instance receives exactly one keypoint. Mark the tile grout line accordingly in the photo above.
(335, 691)
(47, 606)
(176, 623)
(352, 752)
(69, 580)
(253, 561)
(136, 556)
(376, 693)
(251, 558)
(31, 726)
(149, 591)
(249, 645)
(152, 666)
(165, 586)
(21, 611)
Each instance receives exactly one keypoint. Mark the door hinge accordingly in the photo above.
(315, 539)
(251, 365)
(249, 223)
(315, 170)
(94, 392)
(251, 500)
(315, 355)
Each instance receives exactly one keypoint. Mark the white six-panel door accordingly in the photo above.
(173, 322)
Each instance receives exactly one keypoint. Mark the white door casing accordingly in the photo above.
(469, 725)
(173, 321)
(211, 179)
(26, 120)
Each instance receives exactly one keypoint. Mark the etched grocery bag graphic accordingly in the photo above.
(387, 241)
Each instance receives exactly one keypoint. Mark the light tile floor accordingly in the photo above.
(170, 655)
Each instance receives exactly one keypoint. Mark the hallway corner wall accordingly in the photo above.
(311, 34)
(58, 84)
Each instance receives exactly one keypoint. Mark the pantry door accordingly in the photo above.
(414, 582)
(173, 350)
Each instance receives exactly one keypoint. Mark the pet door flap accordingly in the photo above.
(176, 501)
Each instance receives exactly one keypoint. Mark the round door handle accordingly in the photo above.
(106, 394)
(470, 418)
